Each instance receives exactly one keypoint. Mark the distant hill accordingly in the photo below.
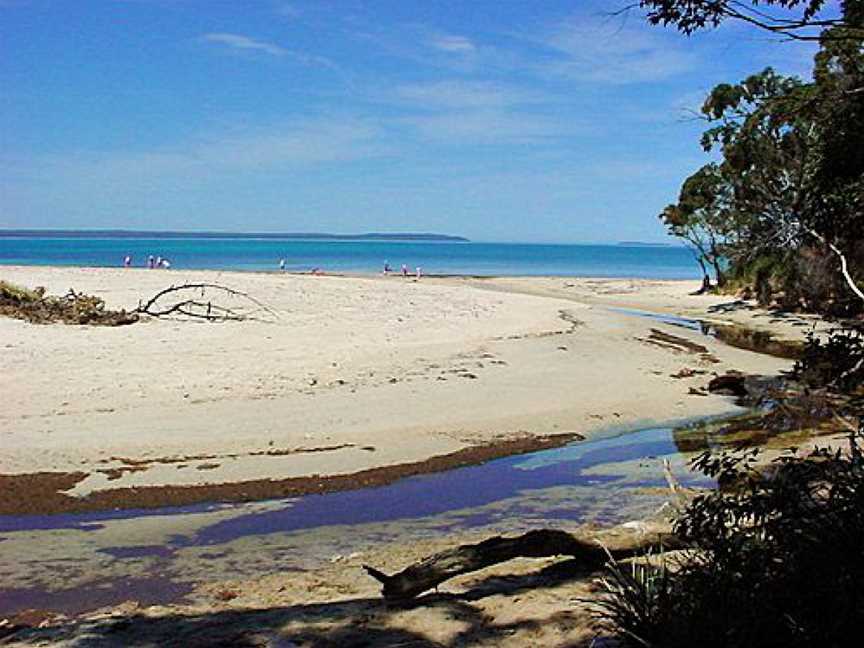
(128, 234)
(643, 244)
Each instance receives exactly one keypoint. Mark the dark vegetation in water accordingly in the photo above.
(751, 339)
(73, 308)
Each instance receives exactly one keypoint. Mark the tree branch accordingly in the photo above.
(188, 306)
(844, 266)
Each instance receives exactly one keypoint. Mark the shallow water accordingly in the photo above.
(734, 335)
(156, 556)
(672, 320)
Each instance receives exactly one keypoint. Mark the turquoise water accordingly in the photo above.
(359, 256)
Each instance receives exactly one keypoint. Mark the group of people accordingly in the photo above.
(315, 271)
(418, 271)
(152, 262)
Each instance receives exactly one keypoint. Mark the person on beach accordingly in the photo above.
(127, 261)
(151, 262)
(282, 265)
(165, 263)
(386, 267)
(404, 270)
(419, 272)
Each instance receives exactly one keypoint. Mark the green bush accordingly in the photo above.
(835, 361)
(777, 559)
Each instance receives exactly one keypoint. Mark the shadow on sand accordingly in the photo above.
(435, 619)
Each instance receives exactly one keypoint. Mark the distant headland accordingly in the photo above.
(144, 234)
(643, 244)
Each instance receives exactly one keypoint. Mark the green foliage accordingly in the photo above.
(794, 19)
(700, 219)
(748, 205)
(835, 361)
(788, 192)
(777, 559)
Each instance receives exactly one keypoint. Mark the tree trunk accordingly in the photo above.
(706, 278)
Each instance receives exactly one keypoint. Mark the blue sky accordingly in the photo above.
(500, 120)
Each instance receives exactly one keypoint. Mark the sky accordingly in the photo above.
(498, 120)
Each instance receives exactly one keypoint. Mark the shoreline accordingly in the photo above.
(361, 379)
(47, 488)
(17, 492)
(348, 274)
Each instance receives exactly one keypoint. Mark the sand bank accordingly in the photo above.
(355, 374)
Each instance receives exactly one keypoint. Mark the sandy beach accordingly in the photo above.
(351, 382)
(352, 374)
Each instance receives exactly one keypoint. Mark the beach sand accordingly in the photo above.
(357, 381)
(354, 375)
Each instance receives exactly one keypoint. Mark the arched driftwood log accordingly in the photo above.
(436, 569)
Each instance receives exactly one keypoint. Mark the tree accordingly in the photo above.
(837, 212)
(747, 207)
(701, 219)
(792, 19)
(765, 138)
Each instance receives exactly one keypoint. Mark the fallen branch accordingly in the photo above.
(434, 570)
(190, 300)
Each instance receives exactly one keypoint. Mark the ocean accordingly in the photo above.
(364, 256)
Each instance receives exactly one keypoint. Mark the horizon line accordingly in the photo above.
(119, 233)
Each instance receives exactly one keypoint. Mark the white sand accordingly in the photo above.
(411, 369)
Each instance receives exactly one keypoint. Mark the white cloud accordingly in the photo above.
(279, 148)
(466, 94)
(456, 44)
(240, 42)
(621, 50)
(491, 126)
(302, 142)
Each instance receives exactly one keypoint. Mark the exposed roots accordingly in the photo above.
(36, 307)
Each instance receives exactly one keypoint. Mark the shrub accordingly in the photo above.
(835, 362)
(777, 559)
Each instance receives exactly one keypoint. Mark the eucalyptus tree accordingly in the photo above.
(747, 207)
(701, 219)
(790, 183)
(803, 20)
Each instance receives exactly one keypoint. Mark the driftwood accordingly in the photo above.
(194, 300)
(203, 301)
(434, 570)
